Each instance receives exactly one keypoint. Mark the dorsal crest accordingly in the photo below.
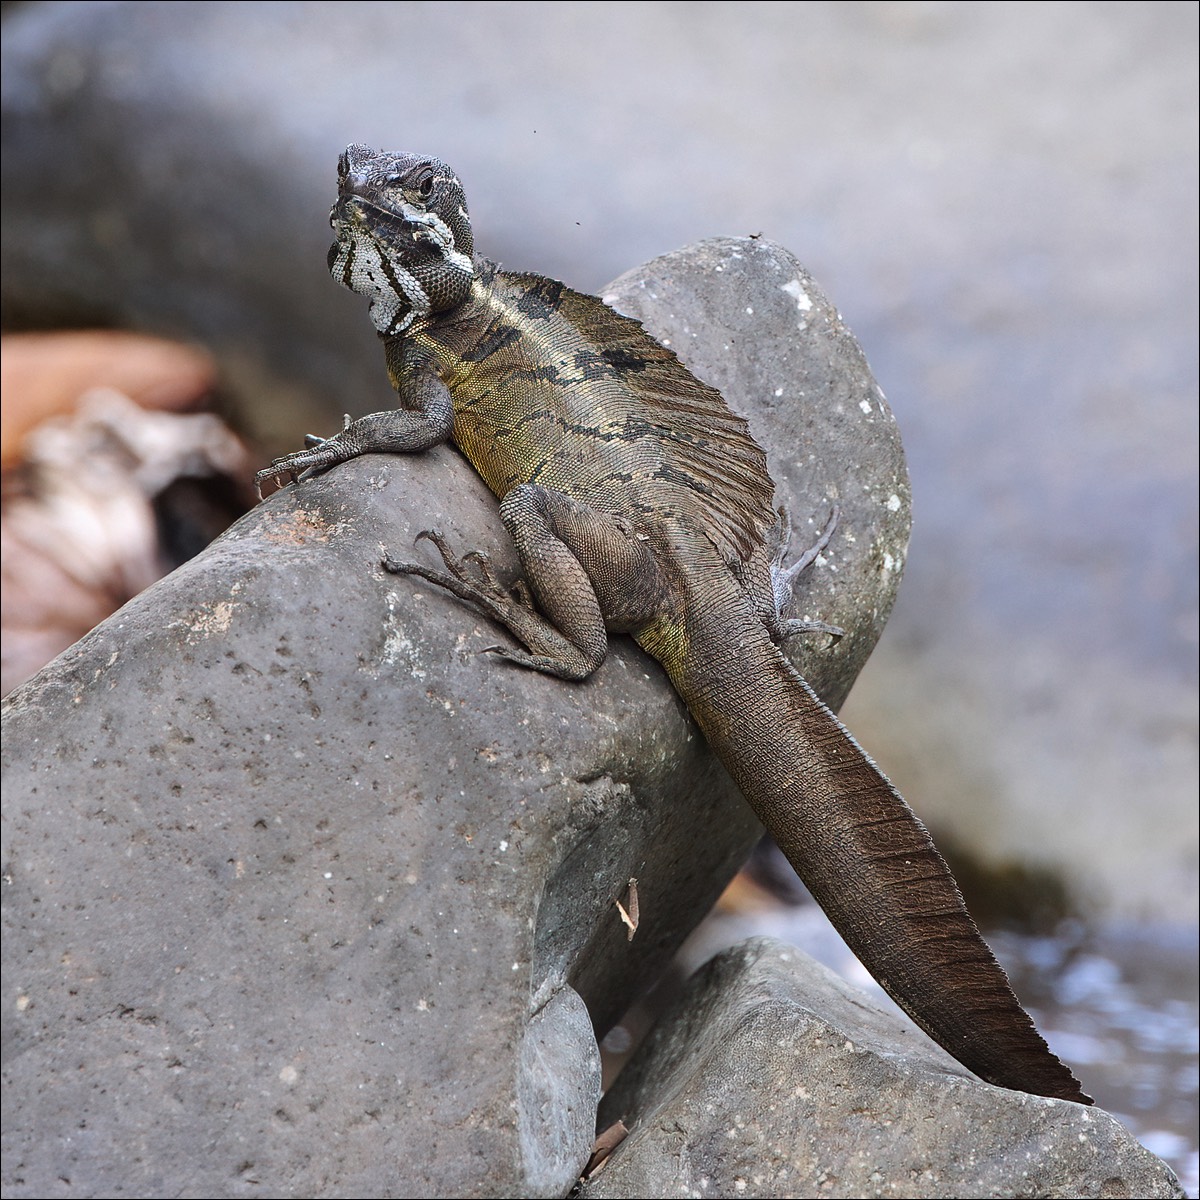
(704, 446)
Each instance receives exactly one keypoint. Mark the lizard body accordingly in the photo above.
(639, 503)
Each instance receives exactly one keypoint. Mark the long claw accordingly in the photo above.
(510, 655)
(787, 574)
(796, 628)
(552, 652)
(317, 455)
(484, 564)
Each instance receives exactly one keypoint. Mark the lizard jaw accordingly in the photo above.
(401, 258)
(361, 262)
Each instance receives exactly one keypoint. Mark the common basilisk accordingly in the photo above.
(640, 504)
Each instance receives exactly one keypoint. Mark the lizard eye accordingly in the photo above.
(425, 184)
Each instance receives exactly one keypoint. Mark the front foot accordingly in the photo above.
(318, 455)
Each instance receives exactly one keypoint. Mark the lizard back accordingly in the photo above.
(553, 387)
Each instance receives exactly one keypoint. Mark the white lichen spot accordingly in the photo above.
(893, 503)
(23, 1003)
(516, 966)
(750, 311)
(865, 405)
(327, 875)
(398, 647)
(422, 1005)
(778, 392)
(289, 1075)
(795, 289)
(888, 563)
(503, 846)
(209, 620)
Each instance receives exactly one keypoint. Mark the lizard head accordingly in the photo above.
(403, 236)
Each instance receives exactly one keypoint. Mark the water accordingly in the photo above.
(1120, 1006)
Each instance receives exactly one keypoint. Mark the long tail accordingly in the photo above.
(861, 851)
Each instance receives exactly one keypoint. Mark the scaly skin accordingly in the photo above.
(640, 504)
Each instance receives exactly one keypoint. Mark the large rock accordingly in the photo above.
(307, 894)
(169, 167)
(771, 1076)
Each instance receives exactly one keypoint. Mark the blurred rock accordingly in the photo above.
(104, 502)
(44, 374)
(308, 893)
(772, 1077)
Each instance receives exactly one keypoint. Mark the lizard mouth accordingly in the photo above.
(403, 230)
(354, 212)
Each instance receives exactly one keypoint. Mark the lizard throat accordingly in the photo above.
(396, 296)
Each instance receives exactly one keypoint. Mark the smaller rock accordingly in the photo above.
(772, 1077)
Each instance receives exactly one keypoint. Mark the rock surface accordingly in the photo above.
(307, 894)
(168, 167)
(770, 1076)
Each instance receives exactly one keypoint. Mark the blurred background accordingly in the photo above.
(1001, 199)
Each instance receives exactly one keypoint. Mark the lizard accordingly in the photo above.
(640, 504)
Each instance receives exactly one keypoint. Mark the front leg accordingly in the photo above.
(589, 572)
(397, 431)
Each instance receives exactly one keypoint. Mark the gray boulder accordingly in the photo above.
(307, 895)
(169, 166)
(771, 1076)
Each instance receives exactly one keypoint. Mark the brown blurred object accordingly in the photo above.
(102, 495)
(44, 374)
